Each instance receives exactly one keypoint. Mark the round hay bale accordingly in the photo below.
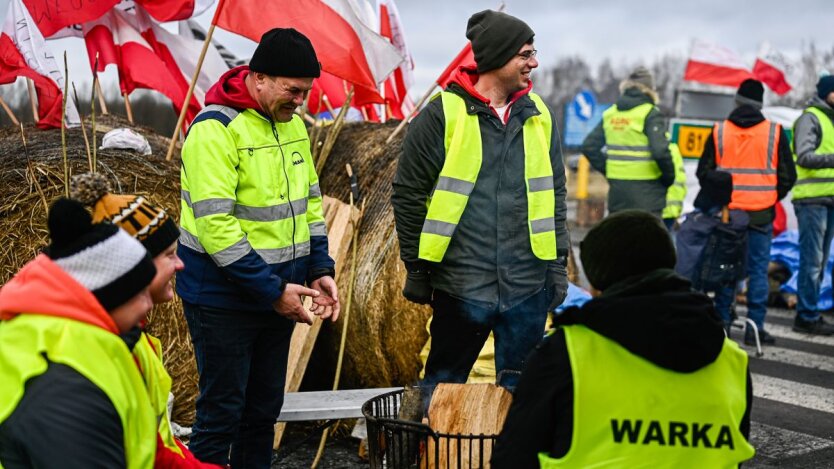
(385, 332)
(23, 231)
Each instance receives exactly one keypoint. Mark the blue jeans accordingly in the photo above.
(459, 330)
(816, 229)
(242, 361)
(758, 257)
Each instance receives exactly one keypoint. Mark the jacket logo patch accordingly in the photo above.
(671, 434)
(297, 159)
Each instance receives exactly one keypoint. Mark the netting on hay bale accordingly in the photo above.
(24, 233)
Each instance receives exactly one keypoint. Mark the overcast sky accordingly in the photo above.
(625, 32)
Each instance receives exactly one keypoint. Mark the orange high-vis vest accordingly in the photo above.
(750, 156)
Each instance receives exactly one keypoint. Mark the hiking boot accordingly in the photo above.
(818, 327)
(764, 337)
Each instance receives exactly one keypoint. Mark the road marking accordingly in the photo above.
(791, 392)
(786, 332)
(778, 443)
(794, 357)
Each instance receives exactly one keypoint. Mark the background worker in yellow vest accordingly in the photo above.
(158, 233)
(676, 193)
(640, 376)
(71, 395)
(253, 239)
(813, 201)
(630, 148)
(757, 155)
(479, 202)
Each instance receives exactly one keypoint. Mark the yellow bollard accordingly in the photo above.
(583, 172)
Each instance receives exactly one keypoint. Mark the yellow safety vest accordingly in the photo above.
(628, 156)
(817, 182)
(460, 173)
(148, 353)
(98, 355)
(629, 412)
(676, 193)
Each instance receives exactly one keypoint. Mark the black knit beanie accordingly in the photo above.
(285, 52)
(825, 86)
(750, 92)
(101, 257)
(625, 244)
(496, 37)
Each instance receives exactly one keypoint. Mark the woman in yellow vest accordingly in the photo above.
(71, 395)
(158, 233)
(640, 376)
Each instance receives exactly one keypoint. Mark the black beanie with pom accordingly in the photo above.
(101, 257)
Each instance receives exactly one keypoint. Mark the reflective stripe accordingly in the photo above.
(458, 186)
(233, 253)
(754, 188)
(679, 184)
(675, 203)
(275, 256)
(271, 213)
(814, 181)
(721, 140)
(208, 207)
(189, 240)
(643, 159)
(627, 148)
(763, 172)
(438, 227)
(315, 190)
(318, 229)
(544, 183)
(770, 140)
(186, 196)
(543, 225)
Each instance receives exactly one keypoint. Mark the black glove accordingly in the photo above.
(557, 282)
(418, 286)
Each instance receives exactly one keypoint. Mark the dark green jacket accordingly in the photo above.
(641, 195)
(489, 259)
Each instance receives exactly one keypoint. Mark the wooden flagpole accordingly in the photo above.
(9, 112)
(128, 110)
(31, 85)
(193, 82)
(101, 103)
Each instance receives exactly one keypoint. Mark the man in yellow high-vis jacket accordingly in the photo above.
(640, 376)
(253, 240)
(479, 202)
(630, 148)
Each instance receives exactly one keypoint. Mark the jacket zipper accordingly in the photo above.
(289, 199)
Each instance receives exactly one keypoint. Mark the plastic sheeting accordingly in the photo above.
(785, 250)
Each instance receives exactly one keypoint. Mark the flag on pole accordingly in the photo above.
(336, 89)
(24, 53)
(774, 70)
(716, 65)
(191, 29)
(464, 58)
(398, 84)
(50, 16)
(345, 45)
(128, 40)
(173, 10)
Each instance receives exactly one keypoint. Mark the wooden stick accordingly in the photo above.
(411, 113)
(329, 106)
(9, 112)
(83, 128)
(345, 317)
(191, 86)
(63, 126)
(93, 110)
(334, 133)
(31, 85)
(32, 169)
(127, 108)
(101, 102)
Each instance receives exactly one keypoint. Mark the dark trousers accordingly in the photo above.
(459, 330)
(242, 361)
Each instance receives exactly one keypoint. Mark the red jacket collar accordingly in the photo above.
(467, 76)
(230, 90)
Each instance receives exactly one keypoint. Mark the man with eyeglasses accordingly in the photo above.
(630, 148)
(479, 202)
(252, 236)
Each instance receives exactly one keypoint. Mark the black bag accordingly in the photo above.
(724, 259)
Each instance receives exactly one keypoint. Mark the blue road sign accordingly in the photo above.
(583, 105)
(581, 116)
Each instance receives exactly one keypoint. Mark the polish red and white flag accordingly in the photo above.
(465, 58)
(398, 103)
(24, 53)
(346, 46)
(128, 39)
(775, 70)
(173, 10)
(715, 65)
